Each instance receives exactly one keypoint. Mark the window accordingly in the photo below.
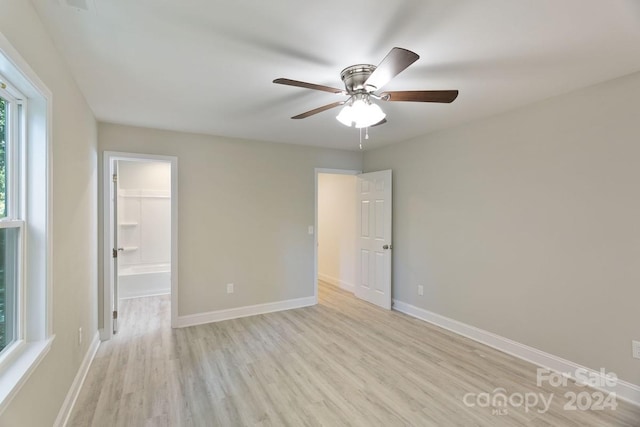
(11, 224)
(26, 332)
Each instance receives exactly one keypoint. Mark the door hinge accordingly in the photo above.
(115, 314)
(114, 253)
(115, 178)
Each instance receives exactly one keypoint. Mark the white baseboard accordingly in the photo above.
(251, 310)
(349, 287)
(624, 390)
(74, 390)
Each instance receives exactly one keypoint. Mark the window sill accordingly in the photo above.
(18, 366)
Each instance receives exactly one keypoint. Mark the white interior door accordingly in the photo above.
(116, 249)
(374, 238)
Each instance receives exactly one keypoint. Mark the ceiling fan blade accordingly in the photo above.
(318, 110)
(393, 64)
(381, 122)
(443, 96)
(306, 85)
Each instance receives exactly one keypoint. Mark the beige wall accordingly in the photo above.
(74, 221)
(337, 229)
(526, 224)
(244, 210)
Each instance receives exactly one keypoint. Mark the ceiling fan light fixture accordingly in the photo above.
(364, 82)
(345, 116)
(371, 115)
(362, 113)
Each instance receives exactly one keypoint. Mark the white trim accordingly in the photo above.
(624, 390)
(315, 221)
(349, 287)
(36, 299)
(78, 381)
(250, 310)
(24, 362)
(106, 332)
(24, 68)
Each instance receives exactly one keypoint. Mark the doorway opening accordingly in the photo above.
(354, 233)
(140, 232)
(336, 228)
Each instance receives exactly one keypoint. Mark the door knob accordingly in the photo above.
(387, 247)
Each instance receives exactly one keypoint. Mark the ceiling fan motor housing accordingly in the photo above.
(355, 76)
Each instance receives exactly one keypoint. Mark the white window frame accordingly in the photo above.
(15, 174)
(32, 215)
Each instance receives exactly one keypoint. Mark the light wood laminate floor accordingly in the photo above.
(342, 362)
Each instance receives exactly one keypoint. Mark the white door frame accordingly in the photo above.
(315, 233)
(108, 158)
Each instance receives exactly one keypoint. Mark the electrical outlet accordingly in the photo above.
(635, 345)
(229, 288)
(420, 290)
(79, 336)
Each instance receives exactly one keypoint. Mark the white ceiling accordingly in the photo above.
(207, 66)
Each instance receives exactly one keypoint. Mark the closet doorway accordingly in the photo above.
(354, 234)
(336, 228)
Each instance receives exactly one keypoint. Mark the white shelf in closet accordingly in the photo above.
(128, 224)
(130, 248)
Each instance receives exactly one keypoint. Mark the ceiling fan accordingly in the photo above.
(361, 83)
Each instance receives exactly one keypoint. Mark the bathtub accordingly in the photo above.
(144, 280)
